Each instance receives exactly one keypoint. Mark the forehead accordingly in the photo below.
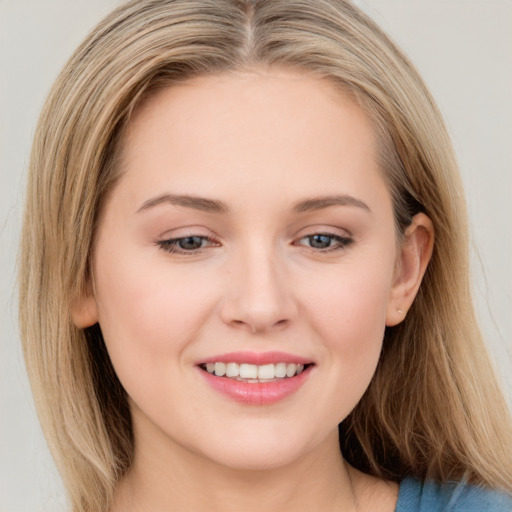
(277, 127)
(247, 96)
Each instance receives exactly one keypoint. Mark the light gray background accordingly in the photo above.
(462, 47)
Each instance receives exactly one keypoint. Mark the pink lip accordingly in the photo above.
(258, 393)
(258, 358)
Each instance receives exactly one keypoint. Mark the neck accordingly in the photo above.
(177, 479)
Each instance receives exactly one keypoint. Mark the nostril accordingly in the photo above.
(259, 326)
(282, 323)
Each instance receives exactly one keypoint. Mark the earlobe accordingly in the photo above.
(415, 254)
(84, 310)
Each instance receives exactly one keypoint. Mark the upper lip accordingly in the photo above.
(257, 358)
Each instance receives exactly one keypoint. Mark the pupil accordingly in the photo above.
(190, 242)
(320, 241)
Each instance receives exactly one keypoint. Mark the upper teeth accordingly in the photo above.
(252, 371)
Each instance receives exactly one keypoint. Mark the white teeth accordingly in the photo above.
(267, 371)
(232, 370)
(291, 369)
(248, 371)
(254, 373)
(220, 369)
(281, 370)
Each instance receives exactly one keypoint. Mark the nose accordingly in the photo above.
(258, 297)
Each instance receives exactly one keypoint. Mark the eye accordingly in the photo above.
(187, 244)
(325, 241)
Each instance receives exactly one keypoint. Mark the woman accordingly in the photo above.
(244, 264)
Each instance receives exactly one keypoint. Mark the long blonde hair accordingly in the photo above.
(433, 409)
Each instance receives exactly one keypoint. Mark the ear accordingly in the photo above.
(413, 258)
(84, 309)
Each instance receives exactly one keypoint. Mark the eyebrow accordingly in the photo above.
(214, 206)
(318, 203)
(198, 203)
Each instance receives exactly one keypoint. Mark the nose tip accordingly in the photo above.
(259, 321)
(259, 298)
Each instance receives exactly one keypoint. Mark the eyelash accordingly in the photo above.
(341, 242)
(173, 245)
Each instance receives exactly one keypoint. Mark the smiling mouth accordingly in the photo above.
(253, 374)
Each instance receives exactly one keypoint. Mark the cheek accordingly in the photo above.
(353, 299)
(348, 318)
(147, 309)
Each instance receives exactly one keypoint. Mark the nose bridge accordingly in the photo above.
(259, 297)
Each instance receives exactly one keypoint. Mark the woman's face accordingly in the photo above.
(251, 228)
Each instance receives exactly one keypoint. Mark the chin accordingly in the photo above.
(261, 451)
(257, 459)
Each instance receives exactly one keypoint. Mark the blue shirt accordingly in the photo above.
(416, 496)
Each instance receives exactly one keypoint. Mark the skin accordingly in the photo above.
(260, 142)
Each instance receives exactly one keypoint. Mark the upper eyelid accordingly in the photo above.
(334, 232)
(217, 239)
(326, 232)
(187, 230)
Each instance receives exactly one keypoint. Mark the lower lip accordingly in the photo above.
(258, 393)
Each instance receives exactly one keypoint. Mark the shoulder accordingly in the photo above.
(416, 496)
